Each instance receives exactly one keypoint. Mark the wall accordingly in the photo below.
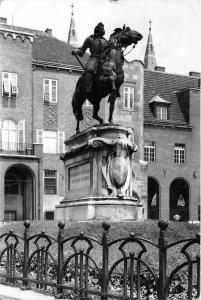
(165, 140)
(54, 116)
(195, 149)
(16, 57)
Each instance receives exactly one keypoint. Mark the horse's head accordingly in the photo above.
(126, 36)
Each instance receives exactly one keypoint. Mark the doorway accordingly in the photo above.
(179, 199)
(19, 204)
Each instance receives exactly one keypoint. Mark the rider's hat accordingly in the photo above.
(96, 29)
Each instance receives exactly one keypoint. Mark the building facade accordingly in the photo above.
(36, 117)
(171, 144)
(38, 75)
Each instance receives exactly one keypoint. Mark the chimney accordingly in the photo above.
(3, 20)
(195, 74)
(160, 69)
(48, 31)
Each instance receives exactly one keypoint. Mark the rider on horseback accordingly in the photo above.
(96, 43)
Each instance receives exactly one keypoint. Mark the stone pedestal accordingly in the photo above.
(98, 176)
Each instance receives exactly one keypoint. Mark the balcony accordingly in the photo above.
(16, 148)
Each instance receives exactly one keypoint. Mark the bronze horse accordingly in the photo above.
(109, 76)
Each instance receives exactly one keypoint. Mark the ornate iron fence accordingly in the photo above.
(81, 267)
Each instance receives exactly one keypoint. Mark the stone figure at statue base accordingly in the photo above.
(98, 176)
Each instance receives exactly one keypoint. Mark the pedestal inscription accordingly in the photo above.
(79, 177)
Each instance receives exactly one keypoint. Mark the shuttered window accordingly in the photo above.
(53, 141)
(13, 135)
(9, 84)
(50, 90)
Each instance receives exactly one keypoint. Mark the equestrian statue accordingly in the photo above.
(104, 73)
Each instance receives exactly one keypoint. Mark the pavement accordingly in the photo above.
(15, 293)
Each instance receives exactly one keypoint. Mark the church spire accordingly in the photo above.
(150, 57)
(72, 35)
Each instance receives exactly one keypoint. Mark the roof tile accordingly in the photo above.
(166, 85)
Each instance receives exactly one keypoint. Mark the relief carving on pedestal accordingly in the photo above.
(117, 167)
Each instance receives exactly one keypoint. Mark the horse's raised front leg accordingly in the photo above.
(95, 112)
(111, 100)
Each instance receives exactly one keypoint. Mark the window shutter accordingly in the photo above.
(46, 90)
(6, 86)
(39, 136)
(54, 91)
(61, 146)
(21, 135)
(1, 123)
(5, 75)
(13, 81)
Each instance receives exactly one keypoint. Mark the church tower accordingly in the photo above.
(150, 57)
(72, 35)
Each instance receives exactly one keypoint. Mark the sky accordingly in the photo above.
(176, 24)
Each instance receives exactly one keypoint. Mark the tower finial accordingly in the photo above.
(72, 5)
(150, 57)
(150, 22)
(72, 34)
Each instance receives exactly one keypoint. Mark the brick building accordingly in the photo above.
(38, 75)
(171, 140)
(38, 78)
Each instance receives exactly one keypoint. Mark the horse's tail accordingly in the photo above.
(75, 104)
(77, 101)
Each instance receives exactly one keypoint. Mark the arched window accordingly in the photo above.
(13, 135)
(153, 198)
(9, 135)
(179, 199)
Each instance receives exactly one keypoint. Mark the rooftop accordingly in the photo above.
(46, 47)
(166, 86)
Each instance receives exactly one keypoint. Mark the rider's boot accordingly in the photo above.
(88, 82)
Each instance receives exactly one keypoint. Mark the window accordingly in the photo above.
(179, 153)
(49, 215)
(9, 135)
(9, 84)
(53, 141)
(154, 200)
(10, 215)
(49, 141)
(161, 112)
(128, 98)
(149, 151)
(50, 182)
(13, 135)
(50, 90)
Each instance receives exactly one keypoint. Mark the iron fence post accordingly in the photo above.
(61, 226)
(105, 252)
(162, 243)
(26, 254)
